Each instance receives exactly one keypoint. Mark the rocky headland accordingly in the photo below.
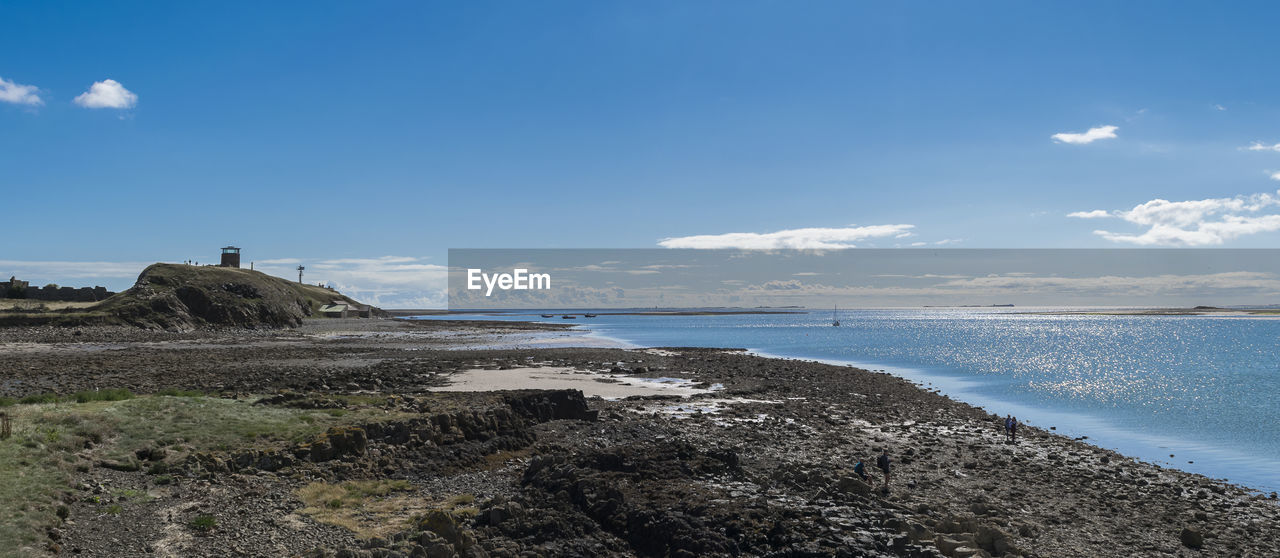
(181, 297)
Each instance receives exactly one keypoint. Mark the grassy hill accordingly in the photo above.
(184, 297)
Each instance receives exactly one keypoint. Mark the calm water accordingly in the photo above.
(1203, 389)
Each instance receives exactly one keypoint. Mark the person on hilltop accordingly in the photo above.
(1008, 427)
(1013, 430)
(883, 463)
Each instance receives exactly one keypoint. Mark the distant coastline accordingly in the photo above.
(401, 313)
(1193, 311)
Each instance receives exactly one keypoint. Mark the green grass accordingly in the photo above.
(37, 399)
(132, 495)
(204, 523)
(204, 423)
(460, 500)
(172, 392)
(40, 460)
(113, 394)
(37, 469)
(367, 508)
(377, 508)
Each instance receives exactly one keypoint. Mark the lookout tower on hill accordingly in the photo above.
(230, 256)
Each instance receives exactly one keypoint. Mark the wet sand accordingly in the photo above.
(591, 384)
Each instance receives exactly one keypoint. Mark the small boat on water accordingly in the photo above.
(548, 315)
(588, 315)
(568, 317)
(834, 322)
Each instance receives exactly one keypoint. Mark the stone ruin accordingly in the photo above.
(18, 289)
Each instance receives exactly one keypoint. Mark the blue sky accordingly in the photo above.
(371, 137)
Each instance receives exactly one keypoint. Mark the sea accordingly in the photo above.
(1197, 393)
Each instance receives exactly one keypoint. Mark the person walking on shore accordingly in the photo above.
(1013, 430)
(1008, 427)
(883, 463)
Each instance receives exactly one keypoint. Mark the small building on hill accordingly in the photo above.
(341, 309)
(230, 256)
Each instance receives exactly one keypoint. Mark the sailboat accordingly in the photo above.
(834, 321)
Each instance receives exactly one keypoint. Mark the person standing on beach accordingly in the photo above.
(883, 463)
(1013, 430)
(1008, 427)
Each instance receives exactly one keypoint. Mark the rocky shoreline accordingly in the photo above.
(758, 463)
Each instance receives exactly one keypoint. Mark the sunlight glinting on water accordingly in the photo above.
(1139, 384)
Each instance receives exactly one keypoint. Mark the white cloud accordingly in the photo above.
(1219, 107)
(777, 285)
(664, 266)
(1207, 222)
(68, 271)
(942, 242)
(1275, 176)
(1094, 134)
(388, 281)
(1256, 146)
(18, 94)
(107, 94)
(802, 239)
(384, 260)
(1095, 214)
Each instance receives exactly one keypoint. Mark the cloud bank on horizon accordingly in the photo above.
(797, 239)
(1207, 222)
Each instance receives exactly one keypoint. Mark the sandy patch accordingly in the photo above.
(607, 386)
(661, 352)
